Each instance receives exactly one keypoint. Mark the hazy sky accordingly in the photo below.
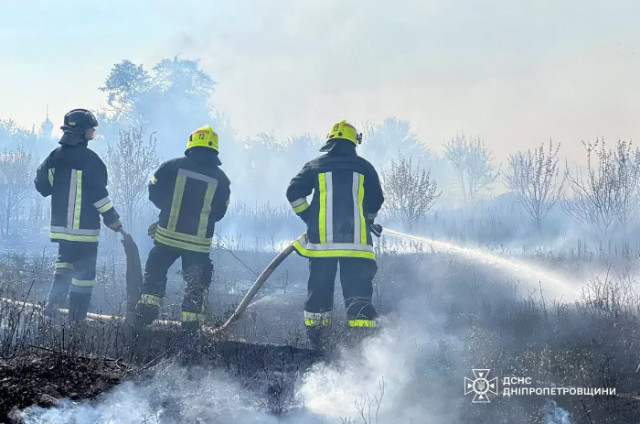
(517, 72)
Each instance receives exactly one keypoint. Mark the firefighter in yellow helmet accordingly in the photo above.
(192, 193)
(346, 198)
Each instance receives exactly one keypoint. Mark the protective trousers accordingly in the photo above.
(197, 271)
(356, 276)
(75, 273)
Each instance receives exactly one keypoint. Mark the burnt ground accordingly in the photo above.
(42, 376)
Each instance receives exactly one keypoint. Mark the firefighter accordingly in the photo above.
(76, 179)
(346, 198)
(192, 193)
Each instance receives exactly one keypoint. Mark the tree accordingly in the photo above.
(534, 178)
(173, 99)
(128, 87)
(131, 162)
(15, 186)
(607, 196)
(391, 138)
(410, 192)
(471, 161)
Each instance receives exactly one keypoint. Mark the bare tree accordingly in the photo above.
(607, 196)
(131, 162)
(15, 186)
(534, 178)
(471, 161)
(410, 192)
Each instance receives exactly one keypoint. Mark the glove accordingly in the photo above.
(115, 225)
(151, 231)
(376, 229)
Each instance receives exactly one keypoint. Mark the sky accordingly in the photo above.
(516, 73)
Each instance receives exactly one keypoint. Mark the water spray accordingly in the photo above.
(515, 266)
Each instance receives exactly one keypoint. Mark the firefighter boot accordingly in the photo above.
(145, 314)
(318, 337)
(59, 290)
(78, 306)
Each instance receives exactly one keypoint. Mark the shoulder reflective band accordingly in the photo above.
(103, 205)
(176, 202)
(197, 176)
(206, 210)
(153, 180)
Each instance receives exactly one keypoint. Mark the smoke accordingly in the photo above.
(175, 395)
(410, 371)
(399, 376)
(553, 414)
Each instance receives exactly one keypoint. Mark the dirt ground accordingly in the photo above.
(42, 377)
(39, 376)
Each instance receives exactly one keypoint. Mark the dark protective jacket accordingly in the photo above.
(192, 194)
(76, 178)
(346, 198)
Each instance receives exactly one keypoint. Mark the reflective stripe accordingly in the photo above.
(362, 323)
(301, 208)
(181, 245)
(149, 299)
(372, 216)
(100, 203)
(75, 231)
(192, 317)
(339, 246)
(78, 206)
(322, 218)
(363, 222)
(329, 181)
(347, 253)
(197, 176)
(51, 171)
(103, 205)
(105, 208)
(73, 183)
(83, 283)
(204, 241)
(355, 190)
(72, 237)
(295, 203)
(316, 319)
(153, 180)
(299, 205)
(63, 265)
(176, 202)
(206, 210)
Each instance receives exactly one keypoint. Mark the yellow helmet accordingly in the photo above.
(203, 137)
(345, 131)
